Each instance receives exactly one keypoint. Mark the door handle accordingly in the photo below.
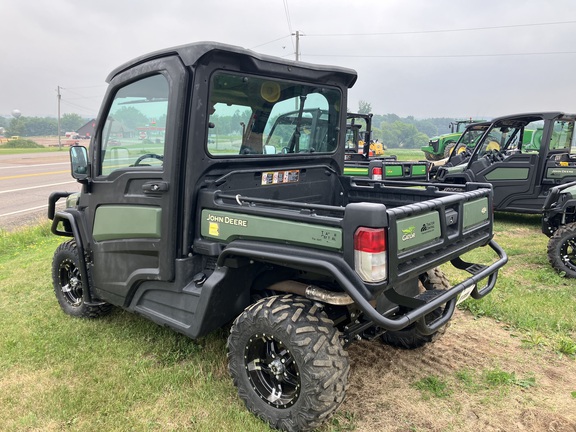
(155, 187)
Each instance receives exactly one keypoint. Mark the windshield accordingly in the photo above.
(250, 116)
(513, 136)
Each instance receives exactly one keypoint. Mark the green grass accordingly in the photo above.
(125, 373)
(120, 373)
(530, 295)
(405, 154)
(11, 151)
(433, 386)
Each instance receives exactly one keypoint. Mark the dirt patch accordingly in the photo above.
(535, 396)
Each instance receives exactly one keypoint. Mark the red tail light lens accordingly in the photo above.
(377, 173)
(370, 258)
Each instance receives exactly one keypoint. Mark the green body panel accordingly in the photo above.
(419, 170)
(570, 191)
(443, 140)
(508, 174)
(354, 171)
(394, 171)
(475, 212)
(560, 172)
(417, 230)
(227, 226)
(113, 222)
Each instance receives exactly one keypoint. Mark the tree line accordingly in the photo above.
(40, 126)
(408, 132)
(390, 129)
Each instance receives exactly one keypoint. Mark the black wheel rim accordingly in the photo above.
(568, 253)
(70, 282)
(272, 371)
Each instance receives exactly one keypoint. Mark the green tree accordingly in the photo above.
(71, 122)
(364, 107)
(130, 117)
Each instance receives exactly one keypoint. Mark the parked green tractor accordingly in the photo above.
(441, 146)
(530, 160)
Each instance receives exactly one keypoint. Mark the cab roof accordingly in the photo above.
(191, 54)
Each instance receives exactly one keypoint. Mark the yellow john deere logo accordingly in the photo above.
(408, 233)
(484, 210)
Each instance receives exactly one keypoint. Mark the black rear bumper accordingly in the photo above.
(333, 265)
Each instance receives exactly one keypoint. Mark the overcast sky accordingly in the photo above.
(426, 58)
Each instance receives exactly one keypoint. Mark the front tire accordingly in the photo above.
(410, 338)
(562, 250)
(69, 286)
(449, 149)
(431, 156)
(288, 363)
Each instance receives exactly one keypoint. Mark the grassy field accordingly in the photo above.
(125, 373)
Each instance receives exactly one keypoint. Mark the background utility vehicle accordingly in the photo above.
(360, 162)
(440, 147)
(529, 160)
(202, 225)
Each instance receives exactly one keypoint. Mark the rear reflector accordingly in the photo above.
(370, 258)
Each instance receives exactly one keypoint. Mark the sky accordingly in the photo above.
(421, 58)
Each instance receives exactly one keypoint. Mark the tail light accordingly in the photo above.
(370, 258)
(377, 173)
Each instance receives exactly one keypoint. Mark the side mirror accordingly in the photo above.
(79, 162)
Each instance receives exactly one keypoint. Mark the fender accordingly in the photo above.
(72, 221)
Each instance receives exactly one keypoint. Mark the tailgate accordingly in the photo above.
(435, 231)
(427, 225)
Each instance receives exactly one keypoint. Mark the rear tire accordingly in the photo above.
(562, 250)
(410, 338)
(288, 363)
(69, 286)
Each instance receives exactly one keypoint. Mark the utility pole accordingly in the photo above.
(59, 133)
(297, 34)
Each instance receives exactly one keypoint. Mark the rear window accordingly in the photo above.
(251, 116)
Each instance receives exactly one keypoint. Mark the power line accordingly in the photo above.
(272, 41)
(287, 13)
(83, 108)
(442, 55)
(442, 30)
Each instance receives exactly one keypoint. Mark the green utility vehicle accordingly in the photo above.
(440, 147)
(234, 212)
(530, 160)
(359, 160)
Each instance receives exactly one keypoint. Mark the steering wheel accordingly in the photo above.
(148, 156)
(494, 156)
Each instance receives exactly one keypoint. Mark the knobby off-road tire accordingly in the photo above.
(69, 286)
(449, 149)
(409, 337)
(562, 250)
(287, 361)
(432, 157)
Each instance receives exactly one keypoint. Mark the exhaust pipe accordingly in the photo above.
(312, 292)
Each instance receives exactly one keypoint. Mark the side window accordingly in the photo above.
(135, 129)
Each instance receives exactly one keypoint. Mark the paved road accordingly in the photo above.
(26, 181)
